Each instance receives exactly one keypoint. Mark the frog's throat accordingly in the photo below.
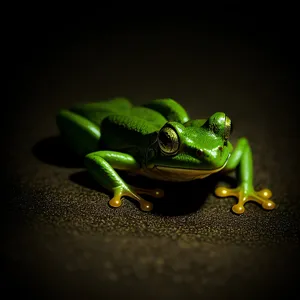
(194, 173)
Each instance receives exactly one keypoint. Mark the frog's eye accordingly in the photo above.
(168, 140)
(220, 125)
(228, 128)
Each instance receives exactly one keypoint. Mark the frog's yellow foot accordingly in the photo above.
(262, 197)
(133, 192)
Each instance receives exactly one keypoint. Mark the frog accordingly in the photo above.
(157, 140)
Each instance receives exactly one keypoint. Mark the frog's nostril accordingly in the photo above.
(199, 153)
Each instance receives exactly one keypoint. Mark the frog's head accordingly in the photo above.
(198, 145)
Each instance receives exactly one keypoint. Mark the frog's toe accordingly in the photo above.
(265, 193)
(262, 197)
(238, 208)
(268, 205)
(115, 202)
(156, 193)
(226, 192)
(146, 206)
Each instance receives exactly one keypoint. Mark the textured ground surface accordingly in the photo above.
(59, 235)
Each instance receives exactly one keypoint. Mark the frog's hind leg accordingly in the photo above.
(101, 165)
(80, 134)
(170, 109)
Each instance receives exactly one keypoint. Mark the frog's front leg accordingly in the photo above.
(242, 158)
(101, 165)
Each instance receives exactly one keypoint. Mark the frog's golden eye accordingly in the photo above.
(168, 141)
(228, 128)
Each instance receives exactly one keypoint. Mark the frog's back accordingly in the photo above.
(96, 112)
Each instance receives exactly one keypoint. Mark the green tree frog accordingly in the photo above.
(160, 141)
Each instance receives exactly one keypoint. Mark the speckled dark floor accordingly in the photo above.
(59, 234)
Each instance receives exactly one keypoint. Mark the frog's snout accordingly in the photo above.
(215, 158)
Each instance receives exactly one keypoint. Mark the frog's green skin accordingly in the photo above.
(157, 140)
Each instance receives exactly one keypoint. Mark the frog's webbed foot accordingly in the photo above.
(133, 193)
(243, 195)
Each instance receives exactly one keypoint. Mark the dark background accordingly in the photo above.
(59, 235)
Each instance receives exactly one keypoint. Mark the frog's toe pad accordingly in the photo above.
(158, 193)
(268, 205)
(115, 202)
(146, 206)
(225, 192)
(262, 197)
(238, 208)
(265, 193)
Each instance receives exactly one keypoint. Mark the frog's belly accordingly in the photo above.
(174, 174)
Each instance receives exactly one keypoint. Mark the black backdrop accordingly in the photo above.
(59, 235)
